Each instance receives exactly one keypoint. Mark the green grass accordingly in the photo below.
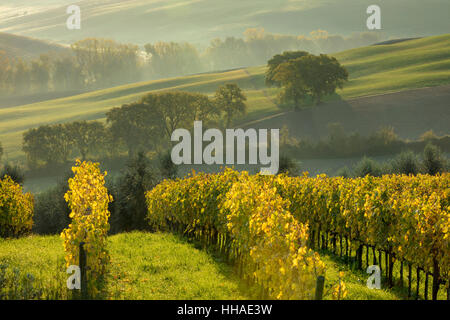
(355, 281)
(162, 266)
(143, 266)
(373, 70)
(143, 21)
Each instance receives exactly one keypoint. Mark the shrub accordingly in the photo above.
(16, 209)
(406, 163)
(289, 166)
(366, 167)
(344, 172)
(51, 212)
(433, 162)
(129, 208)
(14, 172)
(167, 168)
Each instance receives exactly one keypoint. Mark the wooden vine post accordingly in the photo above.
(83, 269)
(319, 287)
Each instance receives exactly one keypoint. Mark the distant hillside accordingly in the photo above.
(199, 21)
(26, 47)
(373, 70)
(410, 113)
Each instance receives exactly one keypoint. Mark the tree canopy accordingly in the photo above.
(301, 74)
(230, 100)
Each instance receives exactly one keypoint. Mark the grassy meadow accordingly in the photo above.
(373, 70)
(158, 266)
(199, 21)
(143, 266)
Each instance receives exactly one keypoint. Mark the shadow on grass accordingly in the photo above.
(224, 266)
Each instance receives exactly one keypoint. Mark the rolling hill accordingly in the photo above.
(25, 47)
(199, 21)
(373, 70)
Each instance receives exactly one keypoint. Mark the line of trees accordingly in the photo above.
(258, 46)
(342, 144)
(97, 63)
(168, 59)
(90, 63)
(431, 161)
(144, 125)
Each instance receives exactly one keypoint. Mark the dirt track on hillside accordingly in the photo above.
(411, 113)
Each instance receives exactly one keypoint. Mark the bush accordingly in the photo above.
(168, 169)
(344, 172)
(16, 209)
(51, 210)
(433, 162)
(14, 172)
(289, 166)
(129, 208)
(406, 163)
(366, 167)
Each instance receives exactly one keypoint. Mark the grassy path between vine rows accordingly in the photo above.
(157, 266)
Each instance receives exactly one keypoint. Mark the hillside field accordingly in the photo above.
(201, 20)
(25, 47)
(373, 70)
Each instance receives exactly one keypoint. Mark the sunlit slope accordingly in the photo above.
(15, 46)
(406, 65)
(93, 105)
(199, 21)
(373, 70)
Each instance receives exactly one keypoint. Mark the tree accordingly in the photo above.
(367, 166)
(406, 163)
(433, 162)
(168, 170)
(294, 86)
(106, 62)
(179, 109)
(1, 151)
(48, 144)
(168, 59)
(230, 53)
(51, 212)
(142, 125)
(277, 60)
(87, 137)
(174, 109)
(6, 72)
(21, 77)
(230, 100)
(314, 75)
(67, 74)
(288, 166)
(137, 125)
(40, 73)
(131, 209)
